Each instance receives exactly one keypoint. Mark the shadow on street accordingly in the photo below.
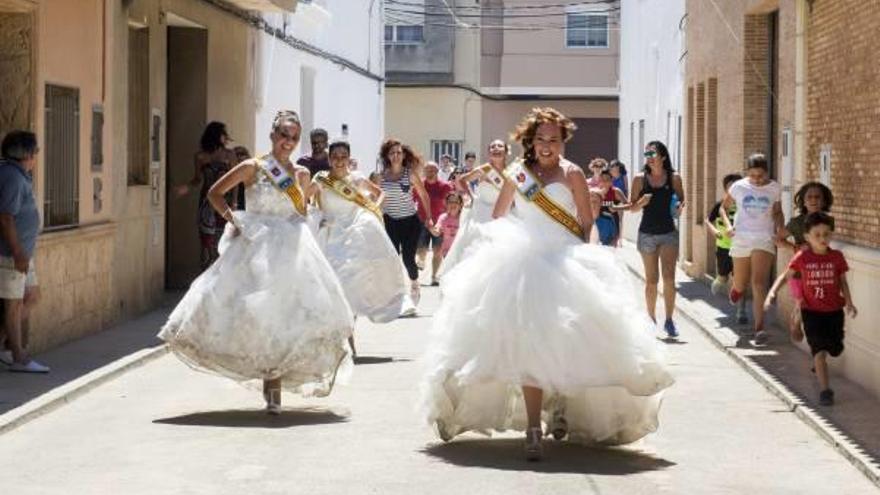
(256, 418)
(559, 457)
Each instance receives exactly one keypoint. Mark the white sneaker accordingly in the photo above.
(718, 286)
(28, 367)
(408, 309)
(6, 358)
(415, 293)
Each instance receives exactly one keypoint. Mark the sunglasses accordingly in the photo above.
(650, 154)
(284, 135)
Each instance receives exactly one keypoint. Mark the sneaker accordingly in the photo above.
(435, 282)
(826, 397)
(415, 293)
(718, 286)
(734, 296)
(533, 448)
(28, 367)
(408, 309)
(761, 337)
(742, 316)
(6, 358)
(671, 331)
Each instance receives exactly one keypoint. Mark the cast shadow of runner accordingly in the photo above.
(559, 457)
(257, 418)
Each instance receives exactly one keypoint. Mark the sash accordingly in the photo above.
(283, 181)
(532, 190)
(346, 191)
(494, 177)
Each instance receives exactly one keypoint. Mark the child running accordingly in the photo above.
(447, 223)
(723, 262)
(613, 202)
(812, 197)
(822, 295)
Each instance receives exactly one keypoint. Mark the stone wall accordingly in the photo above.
(16, 72)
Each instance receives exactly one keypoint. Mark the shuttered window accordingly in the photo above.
(138, 105)
(61, 158)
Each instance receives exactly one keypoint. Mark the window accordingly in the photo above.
(61, 201)
(412, 34)
(138, 105)
(586, 30)
(442, 147)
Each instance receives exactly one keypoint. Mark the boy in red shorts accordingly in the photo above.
(822, 294)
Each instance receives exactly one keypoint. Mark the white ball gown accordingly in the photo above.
(534, 305)
(354, 240)
(473, 219)
(270, 306)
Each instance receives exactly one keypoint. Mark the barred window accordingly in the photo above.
(445, 147)
(61, 198)
(138, 105)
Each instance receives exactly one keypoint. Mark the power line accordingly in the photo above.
(511, 7)
(549, 15)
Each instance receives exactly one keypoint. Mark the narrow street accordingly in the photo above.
(163, 428)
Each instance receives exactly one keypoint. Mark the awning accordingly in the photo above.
(265, 5)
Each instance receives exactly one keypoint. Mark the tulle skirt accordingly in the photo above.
(367, 265)
(530, 306)
(269, 307)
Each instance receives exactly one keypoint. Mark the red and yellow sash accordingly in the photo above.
(532, 190)
(349, 192)
(283, 181)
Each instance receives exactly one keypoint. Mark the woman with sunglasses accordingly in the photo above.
(401, 169)
(489, 180)
(353, 238)
(659, 193)
(270, 308)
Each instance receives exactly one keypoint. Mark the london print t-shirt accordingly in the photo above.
(754, 212)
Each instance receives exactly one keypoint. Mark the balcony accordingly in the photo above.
(265, 5)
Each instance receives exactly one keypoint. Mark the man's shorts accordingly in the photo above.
(12, 281)
(723, 261)
(426, 239)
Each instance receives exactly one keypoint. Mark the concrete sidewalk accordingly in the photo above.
(80, 366)
(851, 425)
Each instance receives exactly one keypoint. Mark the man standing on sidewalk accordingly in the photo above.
(19, 224)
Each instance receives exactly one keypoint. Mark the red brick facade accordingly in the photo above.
(843, 110)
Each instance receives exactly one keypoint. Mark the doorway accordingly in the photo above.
(186, 118)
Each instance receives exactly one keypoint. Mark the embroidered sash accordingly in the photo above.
(532, 190)
(348, 192)
(494, 177)
(283, 181)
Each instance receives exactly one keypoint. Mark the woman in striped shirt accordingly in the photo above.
(400, 173)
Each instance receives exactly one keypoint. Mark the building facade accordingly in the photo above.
(789, 79)
(119, 93)
(652, 58)
(460, 74)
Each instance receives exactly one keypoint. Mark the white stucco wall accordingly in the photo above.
(652, 42)
(341, 95)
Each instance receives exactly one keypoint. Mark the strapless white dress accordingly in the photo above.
(269, 307)
(534, 305)
(472, 225)
(358, 249)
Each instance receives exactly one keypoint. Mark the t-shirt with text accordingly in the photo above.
(820, 275)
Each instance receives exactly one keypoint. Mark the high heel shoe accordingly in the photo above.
(533, 448)
(273, 401)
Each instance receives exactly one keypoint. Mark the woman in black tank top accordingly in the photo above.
(659, 193)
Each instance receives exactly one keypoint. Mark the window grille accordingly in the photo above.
(61, 158)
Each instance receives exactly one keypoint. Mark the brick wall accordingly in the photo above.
(756, 83)
(843, 110)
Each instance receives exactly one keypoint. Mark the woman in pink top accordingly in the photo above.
(447, 224)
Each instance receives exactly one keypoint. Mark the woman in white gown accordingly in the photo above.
(270, 308)
(534, 313)
(353, 238)
(483, 200)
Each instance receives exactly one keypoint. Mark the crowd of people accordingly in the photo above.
(538, 329)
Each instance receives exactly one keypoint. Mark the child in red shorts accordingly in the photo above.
(823, 296)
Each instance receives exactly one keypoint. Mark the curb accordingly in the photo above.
(841, 443)
(74, 389)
